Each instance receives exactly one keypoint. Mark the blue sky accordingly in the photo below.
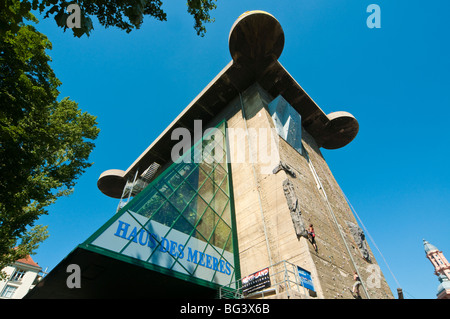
(394, 80)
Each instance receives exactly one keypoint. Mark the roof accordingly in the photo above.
(444, 284)
(429, 247)
(256, 41)
(28, 261)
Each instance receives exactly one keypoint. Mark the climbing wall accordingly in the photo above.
(276, 200)
(337, 232)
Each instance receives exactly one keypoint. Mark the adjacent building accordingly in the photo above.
(22, 276)
(441, 269)
(220, 204)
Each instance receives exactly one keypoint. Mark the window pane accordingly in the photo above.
(196, 178)
(221, 234)
(182, 196)
(207, 190)
(229, 244)
(183, 225)
(219, 201)
(224, 186)
(166, 214)
(207, 223)
(173, 179)
(194, 210)
(184, 169)
(226, 214)
(219, 174)
(153, 200)
(163, 188)
(9, 291)
(207, 167)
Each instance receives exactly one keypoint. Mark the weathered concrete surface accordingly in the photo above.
(266, 234)
(333, 265)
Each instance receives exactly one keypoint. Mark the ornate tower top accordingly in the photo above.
(428, 247)
(441, 267)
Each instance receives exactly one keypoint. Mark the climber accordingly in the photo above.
(312, 236)
(355, 290)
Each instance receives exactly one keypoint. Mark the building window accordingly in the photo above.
(18, 275)
(9, 291)
(287, 122)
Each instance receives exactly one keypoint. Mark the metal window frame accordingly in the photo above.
(229, 205)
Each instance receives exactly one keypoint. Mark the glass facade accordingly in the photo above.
(183, 220)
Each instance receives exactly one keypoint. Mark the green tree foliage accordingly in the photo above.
(44, 143)
(123, 14)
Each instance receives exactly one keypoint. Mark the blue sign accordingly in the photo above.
(305, 278)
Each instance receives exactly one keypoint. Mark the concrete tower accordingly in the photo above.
(441, 269)
(220, 204)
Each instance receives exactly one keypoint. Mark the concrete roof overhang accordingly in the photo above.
(256, 41)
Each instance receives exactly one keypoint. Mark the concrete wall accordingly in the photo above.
(265, 229)
(327, 209)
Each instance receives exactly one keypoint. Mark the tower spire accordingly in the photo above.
(441, 269)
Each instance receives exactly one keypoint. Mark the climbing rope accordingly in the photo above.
(340, 231)
(348, 249)
(326, 215)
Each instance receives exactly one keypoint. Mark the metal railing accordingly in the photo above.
(284, 279)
